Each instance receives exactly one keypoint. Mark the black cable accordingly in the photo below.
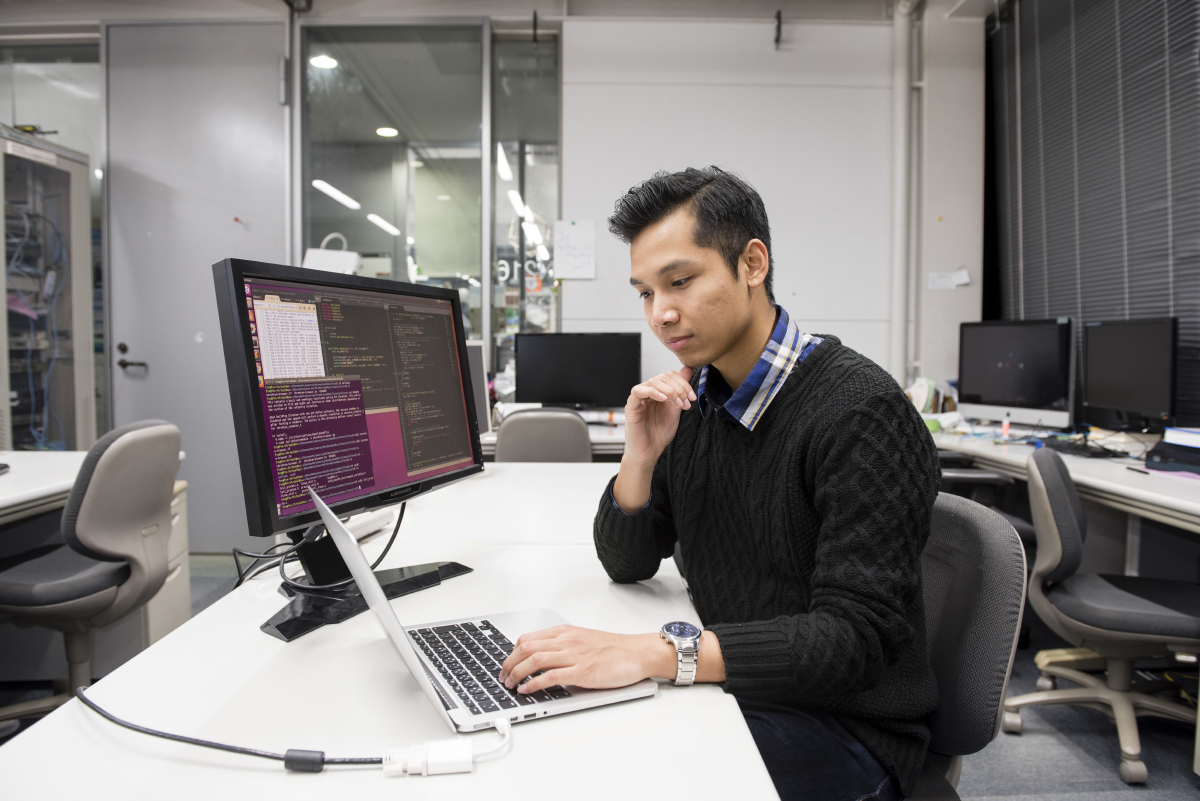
(344, 582)
(244, 576)
(294, 759)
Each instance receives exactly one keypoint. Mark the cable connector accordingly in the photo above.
(442, 756)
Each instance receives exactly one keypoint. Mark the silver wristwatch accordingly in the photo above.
(686, 639)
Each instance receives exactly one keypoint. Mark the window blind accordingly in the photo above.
(1096, 115)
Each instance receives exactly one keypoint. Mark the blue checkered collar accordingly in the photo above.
(784, 350)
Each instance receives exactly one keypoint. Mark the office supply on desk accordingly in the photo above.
(1165, 456)
(973, 586)
(1018, 370)
(3, 469)
(543, 435)
(1089, 450)
(1184, 437)
(357, 387)
(577, 370)
(1129, 373)
(458, 666)
(1122, 618)
(117, 523)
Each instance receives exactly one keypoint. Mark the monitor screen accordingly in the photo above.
(1129, 366)
(359, 388)
(578, 369)
(1023, 364)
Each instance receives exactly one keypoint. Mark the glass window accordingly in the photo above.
(391, 152)
(525, 202)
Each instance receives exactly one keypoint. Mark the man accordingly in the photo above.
(797, 480)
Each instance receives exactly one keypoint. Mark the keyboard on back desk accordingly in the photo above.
(468, 657)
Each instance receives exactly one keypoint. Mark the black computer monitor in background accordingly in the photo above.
(1020, 369)
(577, 369)
(357, 387)
(1129, 372)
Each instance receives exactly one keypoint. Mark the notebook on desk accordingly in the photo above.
(457, 662)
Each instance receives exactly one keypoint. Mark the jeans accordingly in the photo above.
(811, 756)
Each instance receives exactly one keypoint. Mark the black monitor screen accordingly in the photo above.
(1129, 366)
(1025, 364)
(578, 369)
(360, 391)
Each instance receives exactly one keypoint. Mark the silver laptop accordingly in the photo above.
(456, 662)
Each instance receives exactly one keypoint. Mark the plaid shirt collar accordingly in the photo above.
(747, 405)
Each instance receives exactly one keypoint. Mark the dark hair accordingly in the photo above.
(729, 213)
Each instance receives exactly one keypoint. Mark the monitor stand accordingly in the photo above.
(308, 610)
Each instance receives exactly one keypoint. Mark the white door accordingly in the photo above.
(195, 175)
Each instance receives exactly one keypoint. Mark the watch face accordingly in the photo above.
(680, 629)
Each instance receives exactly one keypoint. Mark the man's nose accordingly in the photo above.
(664, 314)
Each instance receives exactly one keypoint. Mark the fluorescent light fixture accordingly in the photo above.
(323, 62)
(340, 197)
(543, 254)
(384, 224)
(474, 282)
(502, 168)
(443, 197)
(387, 132)
(529, 158)
(99, 173)
(1186, 658)
(418, 163)
(532, 233)
(518, 205)
(528, 214)
(412, 241)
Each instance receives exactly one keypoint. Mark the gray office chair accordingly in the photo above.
(116, 523)
(543, 435)
(973, 577)
(1122, 618)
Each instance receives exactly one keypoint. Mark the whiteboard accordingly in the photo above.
(574, 249)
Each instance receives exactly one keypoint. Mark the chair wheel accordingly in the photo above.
(1046, 683)
(1134, 772)
(1011, 723)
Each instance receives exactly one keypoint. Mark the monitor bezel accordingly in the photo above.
(248, 422)
(1023, 415)
(579, 334)
(1152, 419)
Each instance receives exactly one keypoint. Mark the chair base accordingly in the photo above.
(1122, 706)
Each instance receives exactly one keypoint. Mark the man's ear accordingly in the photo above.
(757, 262)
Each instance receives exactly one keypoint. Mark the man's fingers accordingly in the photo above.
(548, 679)
(540, 660)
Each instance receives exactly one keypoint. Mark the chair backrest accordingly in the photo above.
(543, 435)
(973, 575)
(1058, 516)
(120, 506)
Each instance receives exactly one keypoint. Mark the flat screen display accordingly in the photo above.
(578, 369)
(359, 391)
(1024, 364)
(1129, 366)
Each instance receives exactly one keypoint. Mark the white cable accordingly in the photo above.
(443, 756)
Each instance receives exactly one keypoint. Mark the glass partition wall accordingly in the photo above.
(525, 198)
(392, 153)
(392, 167)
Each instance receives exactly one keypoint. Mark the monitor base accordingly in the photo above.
(310, 609)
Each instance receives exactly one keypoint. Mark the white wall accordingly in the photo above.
(950, 211)
(807, 125)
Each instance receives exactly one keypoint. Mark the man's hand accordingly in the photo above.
(586, 658)
(651, 420)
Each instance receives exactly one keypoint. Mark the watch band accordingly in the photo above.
(687, 653)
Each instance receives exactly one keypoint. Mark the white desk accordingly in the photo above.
(36, 481)
(605, 440)
(343, 690)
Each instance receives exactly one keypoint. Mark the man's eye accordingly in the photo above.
(644, 294)
(680, 282)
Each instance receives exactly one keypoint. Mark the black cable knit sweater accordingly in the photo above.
(801, 542)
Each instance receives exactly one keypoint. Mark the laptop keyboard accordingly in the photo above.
(468, 657)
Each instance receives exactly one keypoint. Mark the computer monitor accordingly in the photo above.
(1129, 372)
(577, 369)
(1020, 369)
(357, 387)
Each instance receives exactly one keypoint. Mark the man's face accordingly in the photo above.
(691, 299)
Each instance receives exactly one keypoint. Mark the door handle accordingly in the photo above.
(125, 363)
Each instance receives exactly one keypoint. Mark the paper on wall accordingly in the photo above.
(574, 249)
(940, 282)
